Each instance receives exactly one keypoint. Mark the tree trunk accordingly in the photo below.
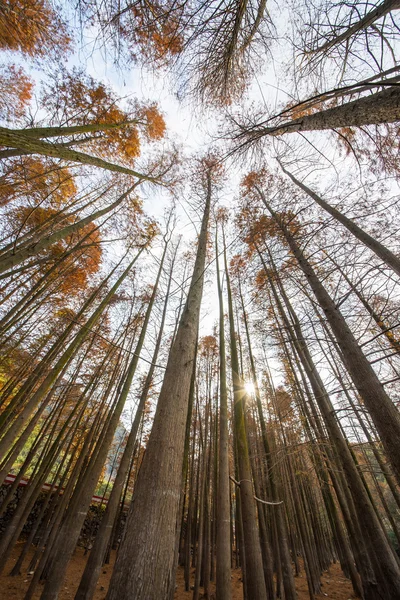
(383, 412)
(364, 22)
(18, 140)
(389, 583)
(224, 586)
(145, 564)
(256, 589)
(17, 256)
(93, 566)
(83, 493)
(374, 109)
(379, 249)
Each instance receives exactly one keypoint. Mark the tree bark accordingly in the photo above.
(377, 108)
(223, 584)
(145, 566)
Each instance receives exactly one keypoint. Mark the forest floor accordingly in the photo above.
(335, 586)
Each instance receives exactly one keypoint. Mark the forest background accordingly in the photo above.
(144, 147)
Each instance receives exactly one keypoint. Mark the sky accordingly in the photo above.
(189, 126)
(194, 129)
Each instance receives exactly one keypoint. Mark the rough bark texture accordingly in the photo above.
(145, 566)
(10, 138)
(382, 107)
(46, 132)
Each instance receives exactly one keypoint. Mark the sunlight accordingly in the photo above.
(249, 387)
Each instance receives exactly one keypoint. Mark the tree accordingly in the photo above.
(15, 92)
(224, 588)
(33, 28)
(212, 47)
(378, 107)
(254, 575)
(341, 33)
(95, 561)
(364, 377)
(380, 250)
(147, 569)
(86, 113)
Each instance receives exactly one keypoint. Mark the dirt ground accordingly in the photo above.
(335, 586)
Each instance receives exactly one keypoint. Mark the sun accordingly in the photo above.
(249, 387)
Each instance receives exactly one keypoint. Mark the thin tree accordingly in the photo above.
(223, 583)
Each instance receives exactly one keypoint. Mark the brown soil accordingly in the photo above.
(14, 588)
(335, 586)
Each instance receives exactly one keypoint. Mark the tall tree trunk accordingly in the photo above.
(145, 564)
(374, 109)
(256, 589)
(381, 555)
(83, 493)
(93, 566)
(383, 412)
(223, 584)
(279, 517)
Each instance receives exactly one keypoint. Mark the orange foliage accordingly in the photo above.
(222, 215)
(80, 266)
(260, 280)
(253, 179)
(15, 92)
(150, 230)
(126, 142)
(255, 226)
(151, 28)
(213, 165)
(297, 111)
(31, 27)
(237, 265)
(257, 229)
(78, 99)
(77, 268)
(39, 179)
(208, 347)
(155, 124)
